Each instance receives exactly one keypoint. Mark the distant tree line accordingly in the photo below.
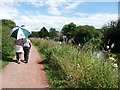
(43, 33)
(107, 36)
(70, 32)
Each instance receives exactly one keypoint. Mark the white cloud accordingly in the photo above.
(38, 4)
(65, 5)
(59, 0)
(39, 21)
(8, 11)
(81, 14)
(102, 0)
(73, 5)
(53, 5)
(54, 11)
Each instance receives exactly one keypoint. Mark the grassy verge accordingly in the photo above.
(6, 41)
(5, 61)
(3, 64)
(67, 67)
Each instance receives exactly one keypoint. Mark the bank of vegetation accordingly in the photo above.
(75, 63)
(69, 68)
(7, 41)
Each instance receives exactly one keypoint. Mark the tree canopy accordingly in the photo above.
(85, 33)
(35, 34)
(68, 30)
(43, 33)
(52, 33)
(111, 33)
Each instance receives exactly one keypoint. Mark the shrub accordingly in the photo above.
(7, 41)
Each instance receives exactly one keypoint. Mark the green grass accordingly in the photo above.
(3, 64)
(67, 67)
(5, 61)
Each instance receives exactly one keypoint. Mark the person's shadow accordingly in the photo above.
(9, 60)
(14, 60)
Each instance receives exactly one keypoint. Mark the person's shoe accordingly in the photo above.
(25, 62)
(22, 60)
(18, 62)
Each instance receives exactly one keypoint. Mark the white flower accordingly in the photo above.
(112, 45)
(78, 65)
(111, 58)
(115, 65)
(107, 47)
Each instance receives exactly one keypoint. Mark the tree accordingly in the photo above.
(68, 30)
(35, 34)
(85, 33)
(52, 33)
(111, 33)
(43, 33)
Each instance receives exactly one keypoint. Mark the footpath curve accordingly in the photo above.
(23, 75)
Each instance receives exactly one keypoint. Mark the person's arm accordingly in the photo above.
(22, 44)
(30, 43)
(30, 46)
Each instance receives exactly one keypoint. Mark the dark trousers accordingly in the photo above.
(18, 55)
(26, 53)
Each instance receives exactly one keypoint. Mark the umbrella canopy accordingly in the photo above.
(20, 32)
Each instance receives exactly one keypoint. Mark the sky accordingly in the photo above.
(36, 14)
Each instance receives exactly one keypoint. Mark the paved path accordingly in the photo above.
(23, 75)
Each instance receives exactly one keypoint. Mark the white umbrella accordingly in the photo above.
(20, 32)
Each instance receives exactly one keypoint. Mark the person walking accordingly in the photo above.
(18, 48)
(27, 45)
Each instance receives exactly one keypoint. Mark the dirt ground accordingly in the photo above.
(30, 75)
